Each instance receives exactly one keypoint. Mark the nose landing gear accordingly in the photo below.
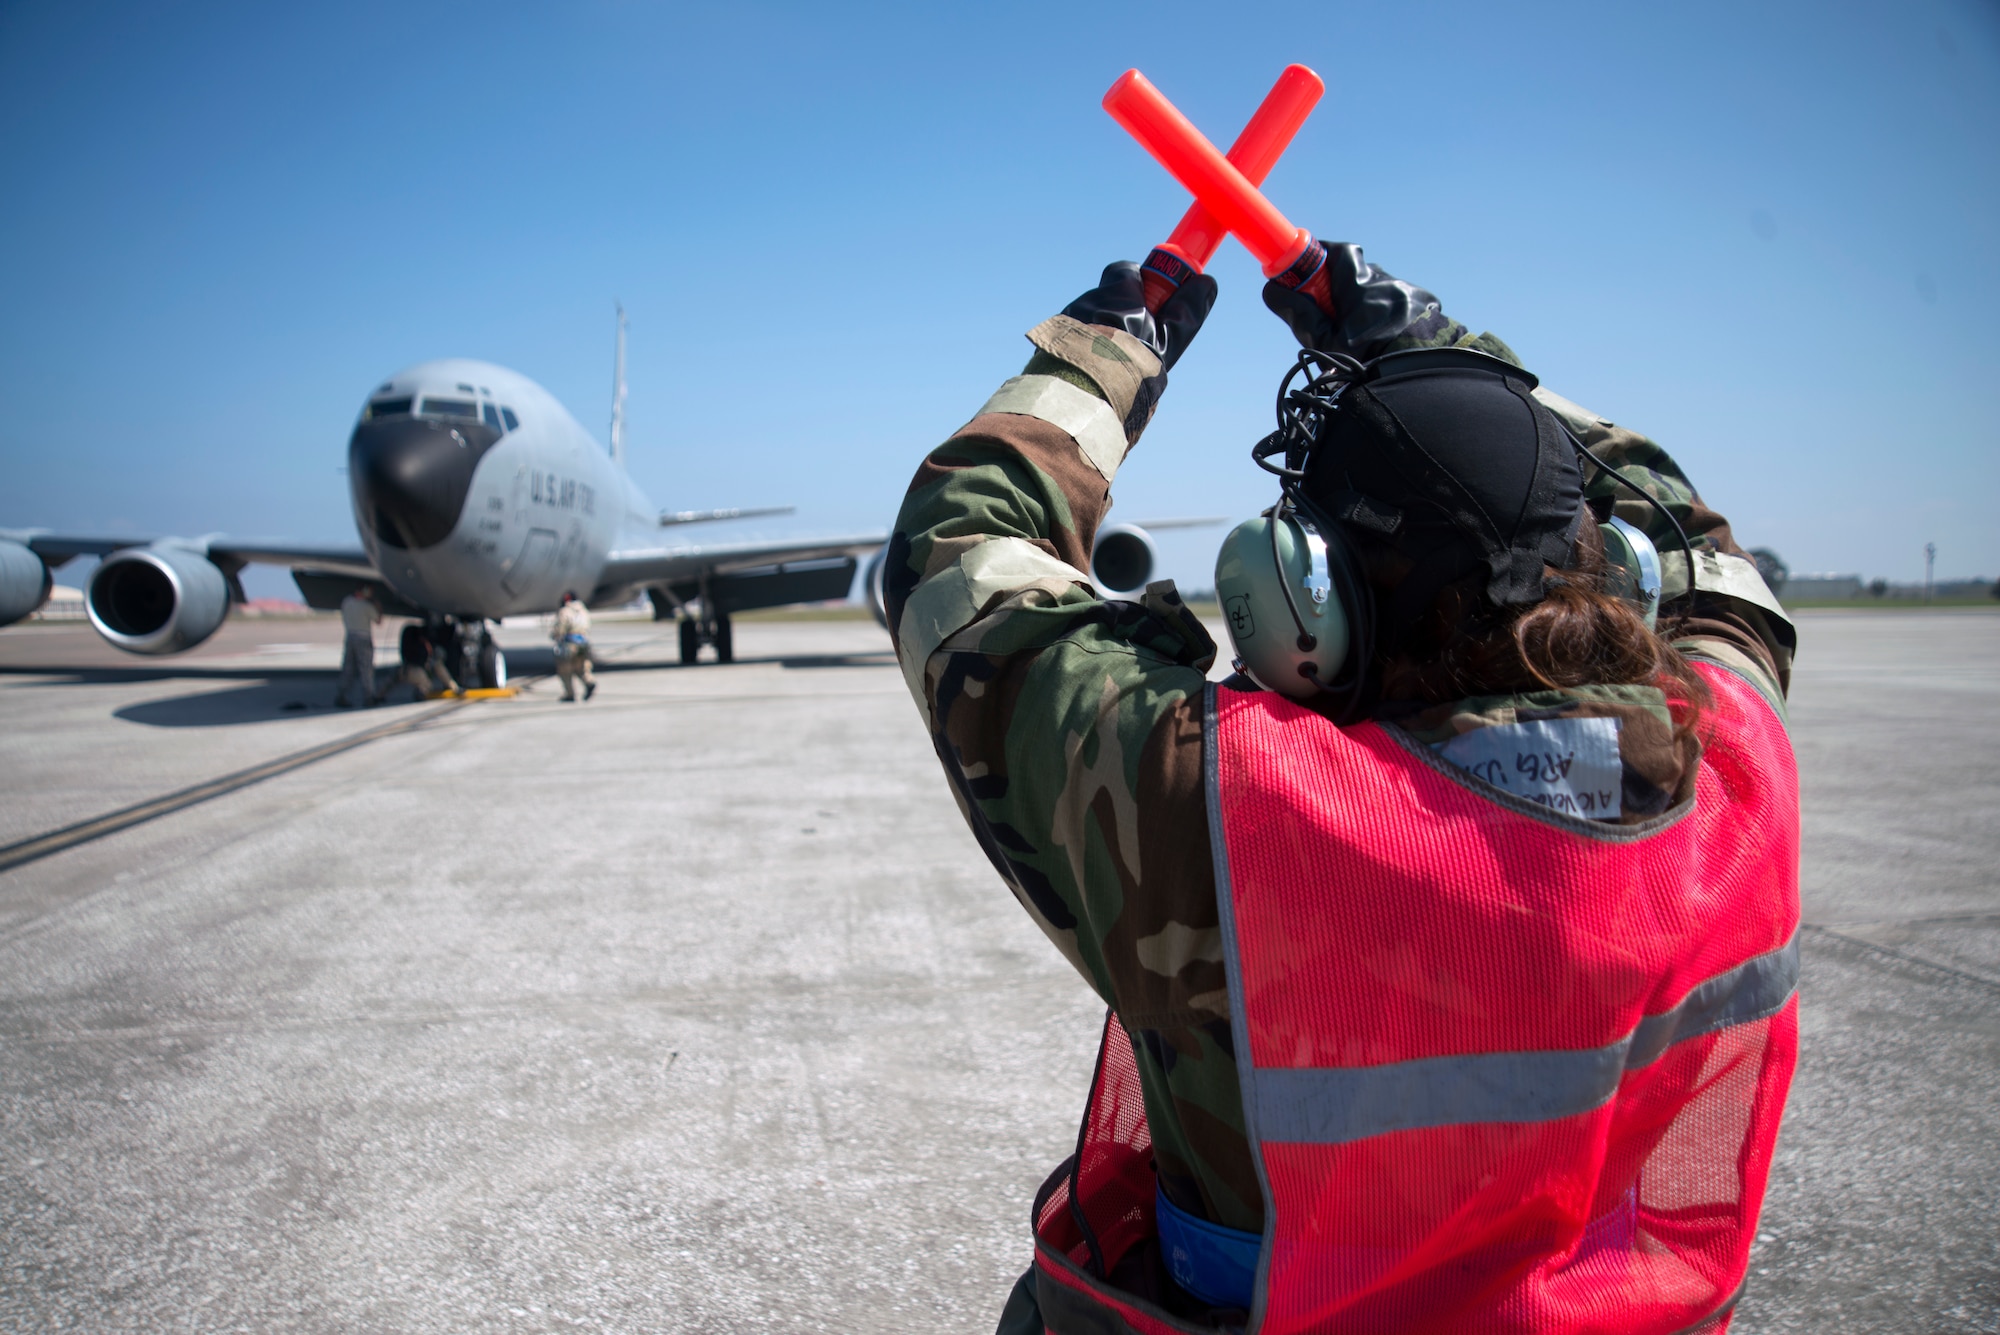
(470, 653)
(492, 662)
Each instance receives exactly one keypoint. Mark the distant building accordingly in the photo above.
(1815, 588)
(1834, 588)
(64, 604)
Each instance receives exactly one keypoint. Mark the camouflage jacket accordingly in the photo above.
(1069, 725)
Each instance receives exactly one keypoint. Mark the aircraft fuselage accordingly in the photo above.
(478, 495)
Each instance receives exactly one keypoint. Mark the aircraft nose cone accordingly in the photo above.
(410, 476)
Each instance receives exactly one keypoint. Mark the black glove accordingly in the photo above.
(1119, 300)
(1372, 308)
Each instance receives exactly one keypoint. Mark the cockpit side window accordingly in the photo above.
(388, 408)
(513, 422)
(448, 408)
(491, 416)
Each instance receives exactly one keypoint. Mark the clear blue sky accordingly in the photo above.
(1763, 234)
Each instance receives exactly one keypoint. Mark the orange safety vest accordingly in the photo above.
(1503, 1069)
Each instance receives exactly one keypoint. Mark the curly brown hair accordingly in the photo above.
(1579, 634)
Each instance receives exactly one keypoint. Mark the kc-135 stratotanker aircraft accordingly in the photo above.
(478, 496)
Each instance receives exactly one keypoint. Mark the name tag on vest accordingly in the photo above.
(1569, 765)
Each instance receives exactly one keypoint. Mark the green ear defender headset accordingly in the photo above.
(1633, 567)
(1275, 583)
(1300, 616)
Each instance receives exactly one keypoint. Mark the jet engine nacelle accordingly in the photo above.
(1123, 561)
(157, 600)
(871, 581)
(1124, 558)
(24, 582)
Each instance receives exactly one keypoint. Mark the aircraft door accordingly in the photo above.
(533, 562)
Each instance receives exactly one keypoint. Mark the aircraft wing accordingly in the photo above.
(667, 565)
(57, 548)
(300, 556)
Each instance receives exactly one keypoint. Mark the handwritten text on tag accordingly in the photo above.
(1569, 765)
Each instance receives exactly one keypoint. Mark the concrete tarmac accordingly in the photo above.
(695, 1008)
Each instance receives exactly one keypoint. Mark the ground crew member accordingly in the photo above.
(571, 633)
(358, 614)
(1452, 991)
(423, 665)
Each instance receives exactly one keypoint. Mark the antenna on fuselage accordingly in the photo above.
(618, 396)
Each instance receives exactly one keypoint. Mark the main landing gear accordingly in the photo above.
(700, 622)
(706, 629)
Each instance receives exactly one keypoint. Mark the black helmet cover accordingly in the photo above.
(1444, 457)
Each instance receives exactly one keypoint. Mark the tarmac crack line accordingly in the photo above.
(39, 846)
(689, 1004)
(1905, 957)
(21, 928)
(1977, 915)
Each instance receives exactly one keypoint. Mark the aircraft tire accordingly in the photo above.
(451, 639)
(725, 645)
(492, 665)
(690, 642)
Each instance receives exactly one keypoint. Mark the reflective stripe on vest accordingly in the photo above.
(1329, 1105)
(1502, 1068)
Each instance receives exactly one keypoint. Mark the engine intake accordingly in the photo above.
(24, 582)
(871, 580)
(1124, 558)
(1122, 561)
(157, 600)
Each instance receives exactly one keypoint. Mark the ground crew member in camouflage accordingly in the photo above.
(1070, 726)
(571, 634)
(358, 614)
(423, 666)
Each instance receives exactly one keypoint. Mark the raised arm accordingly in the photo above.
(1070, 725)
(1052, 708)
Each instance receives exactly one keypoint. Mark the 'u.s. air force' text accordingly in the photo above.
(564, 493)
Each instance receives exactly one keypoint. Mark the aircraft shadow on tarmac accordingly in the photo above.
(542, 662)
(266, 694)
(269, 694)
(297, 695)
(878, 658)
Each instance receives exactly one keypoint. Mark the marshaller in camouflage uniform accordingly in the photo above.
(1079, 737)
(571, 633)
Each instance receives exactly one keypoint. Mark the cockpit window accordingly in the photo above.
(491, 416)
(513, 422)
(388, 408)
(448, 408)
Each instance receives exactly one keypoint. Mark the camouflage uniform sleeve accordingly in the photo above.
(1069, 727)
(1438, 330)
(1734, 620)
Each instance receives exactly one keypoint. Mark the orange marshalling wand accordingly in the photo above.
(1224, 188)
